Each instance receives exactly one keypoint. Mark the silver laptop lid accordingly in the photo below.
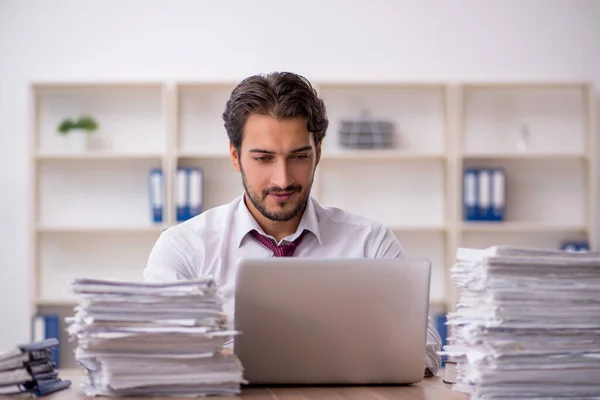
(332, 321)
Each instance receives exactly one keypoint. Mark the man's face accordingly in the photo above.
(277, 161)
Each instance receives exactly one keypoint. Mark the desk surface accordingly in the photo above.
(428, 389)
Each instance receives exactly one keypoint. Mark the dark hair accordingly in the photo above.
(279, 94)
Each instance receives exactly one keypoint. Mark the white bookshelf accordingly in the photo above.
(98, 156)
(89, 209)
(91, 215)
(551, 183)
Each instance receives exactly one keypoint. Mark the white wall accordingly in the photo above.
(322, 39)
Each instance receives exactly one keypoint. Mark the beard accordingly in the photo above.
(258, 200)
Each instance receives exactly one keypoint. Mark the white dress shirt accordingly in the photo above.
(210, 244)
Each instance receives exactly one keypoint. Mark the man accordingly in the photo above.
(276, 125)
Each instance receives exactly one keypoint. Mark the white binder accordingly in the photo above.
(196, 180)
(498, 206)
(470, 204)
(485, 194)
(181, 196)
(157, 200)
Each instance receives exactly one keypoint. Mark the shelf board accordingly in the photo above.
(98, 156)
(41, 86)
(102, 229)
(375, 155)
(438, 302)
(525, 156)
(208, 84)
(525, 85)
(519, 227)
(417, 228)
(198, 155)
(384, 84)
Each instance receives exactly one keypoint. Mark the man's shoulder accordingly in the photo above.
(378, 238)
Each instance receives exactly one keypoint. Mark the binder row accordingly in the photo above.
(575, 246)
(484, 194)
(484, 199)
(189, 192)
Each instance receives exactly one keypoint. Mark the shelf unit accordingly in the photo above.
(89, 209)
(551, 193)
(91, 215)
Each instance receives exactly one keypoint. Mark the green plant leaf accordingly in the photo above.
(87, 123)
(65, 126)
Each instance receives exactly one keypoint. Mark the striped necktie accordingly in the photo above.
(285, 250)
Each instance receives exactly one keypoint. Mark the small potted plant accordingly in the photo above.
(78, 131)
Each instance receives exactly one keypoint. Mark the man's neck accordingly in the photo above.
(277, 229)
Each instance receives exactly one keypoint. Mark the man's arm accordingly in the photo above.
(387, 246)
(172, 258)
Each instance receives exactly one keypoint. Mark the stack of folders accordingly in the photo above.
(153, 339)
(27, 369)
(527, 325)
(484, 197)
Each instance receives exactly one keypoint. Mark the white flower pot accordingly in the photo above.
(77, 140)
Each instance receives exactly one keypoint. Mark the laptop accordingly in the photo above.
(310, 321)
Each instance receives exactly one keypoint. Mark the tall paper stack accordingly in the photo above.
(153, 339)
(527, 324)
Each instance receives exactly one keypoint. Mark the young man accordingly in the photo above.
(276, 125)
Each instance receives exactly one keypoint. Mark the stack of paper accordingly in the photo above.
(155, 339)
(527, 324)
(28, 369)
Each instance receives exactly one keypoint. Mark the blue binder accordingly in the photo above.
(440, 325)
(45, 327)
(195, 191)
(470, 194)
(182, 205)
(484, 194)
(498, 195)
(583, 246)
(575, 246)
(484, 198)
(156, 187)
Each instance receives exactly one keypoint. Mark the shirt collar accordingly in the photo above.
(244, 222)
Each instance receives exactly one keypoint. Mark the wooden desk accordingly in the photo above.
(428, 389)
